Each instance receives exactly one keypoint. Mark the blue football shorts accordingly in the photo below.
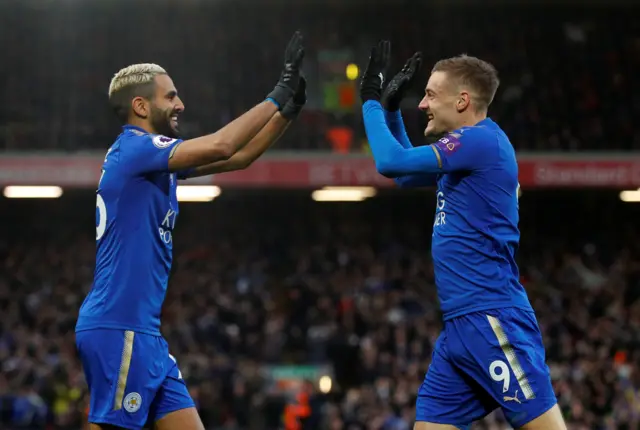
(483, 361)
(132, 378)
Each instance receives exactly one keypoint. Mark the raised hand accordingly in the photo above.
(400, 83)
(374, 75)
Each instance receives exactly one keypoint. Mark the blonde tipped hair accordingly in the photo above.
(135, 74)
(136, 80)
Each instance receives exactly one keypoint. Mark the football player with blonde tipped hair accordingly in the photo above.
(133, 379)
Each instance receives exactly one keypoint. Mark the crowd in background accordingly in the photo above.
(271, 279)
(568, 74)
(262, 279)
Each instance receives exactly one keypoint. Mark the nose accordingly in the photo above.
(179, 107)
(424, 104)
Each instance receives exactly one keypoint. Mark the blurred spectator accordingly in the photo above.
(279, 280)
(564, 70)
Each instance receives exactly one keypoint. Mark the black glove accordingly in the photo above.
(290, 76)
(295, 104)
(398, 86)
(373, 78)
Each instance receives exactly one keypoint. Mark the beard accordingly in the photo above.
(161, 122)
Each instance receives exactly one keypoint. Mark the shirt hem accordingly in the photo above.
(450, 315)
(103, 326)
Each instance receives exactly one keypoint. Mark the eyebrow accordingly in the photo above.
(172, 93)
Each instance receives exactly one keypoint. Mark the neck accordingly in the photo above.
(141, 123)
(472, 119)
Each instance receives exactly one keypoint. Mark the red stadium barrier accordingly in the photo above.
(285, 170)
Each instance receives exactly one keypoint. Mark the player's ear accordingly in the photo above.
(140, 107)
(463, 102)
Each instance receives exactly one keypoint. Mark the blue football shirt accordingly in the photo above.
(475, 230)
(136, 213)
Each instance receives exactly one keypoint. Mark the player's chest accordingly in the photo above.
(165, 207)
(450, 196)
(165, 198)
(452, 183)
(166, 187)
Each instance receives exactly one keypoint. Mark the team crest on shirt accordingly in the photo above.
(132, 402)
(162, 142)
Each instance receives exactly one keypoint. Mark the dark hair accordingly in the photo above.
(479, 75)
(120, 100)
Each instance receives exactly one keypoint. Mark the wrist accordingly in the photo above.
(280, 95)
(391, 106)
(370, 98)
(393, 117)
(291, 111)
(272, 100)
(368, 105)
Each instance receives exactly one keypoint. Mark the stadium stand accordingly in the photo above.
(565, 71)
(272, 278)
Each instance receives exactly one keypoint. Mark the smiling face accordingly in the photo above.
(165, 107)
(458, 94)
(144, 95)
(441, 104)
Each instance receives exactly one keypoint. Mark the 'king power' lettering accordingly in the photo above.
(168, 223)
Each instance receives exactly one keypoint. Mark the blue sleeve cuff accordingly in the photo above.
(394, 116)
(269, 99)
(371, 104)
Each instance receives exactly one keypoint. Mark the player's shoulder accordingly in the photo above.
(136, 142)
(472, 138)
(162, 142)
(484, 136)
(486, 131)
(132, 134)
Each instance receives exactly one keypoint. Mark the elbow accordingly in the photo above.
(222, 151)
(246, 163)
(385, 168)
(241, 163)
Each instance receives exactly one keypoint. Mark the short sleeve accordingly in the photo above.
(471, 148)
(149, 153)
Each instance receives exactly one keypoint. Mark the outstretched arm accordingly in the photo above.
(392, 159)
(396, 126)
(226, 142)
(262, 141)
(466, 149)
(242, 159)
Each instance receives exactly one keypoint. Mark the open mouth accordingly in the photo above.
(174, 120)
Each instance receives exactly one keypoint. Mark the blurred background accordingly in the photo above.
(302, 294)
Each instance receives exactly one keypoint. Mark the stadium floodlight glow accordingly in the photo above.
(352, 72)
(630, 196)
(324, 384)
(343, 194)
(197, 193)
(32, 192)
